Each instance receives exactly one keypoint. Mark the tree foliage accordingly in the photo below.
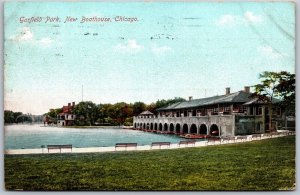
(279, 85)
(86, 111)
(121, 113)
(53, 113)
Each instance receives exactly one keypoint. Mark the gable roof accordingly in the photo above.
(146, 113)
(238, 97)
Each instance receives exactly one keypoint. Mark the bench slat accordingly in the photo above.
(160, 143)
(66, 146)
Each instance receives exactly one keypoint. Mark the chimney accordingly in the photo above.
(190, 98)
(247, 89)
(69, 104)
(73, 103)
(227, 91)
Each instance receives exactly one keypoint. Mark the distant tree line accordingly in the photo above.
(121, 113)
(19, 117)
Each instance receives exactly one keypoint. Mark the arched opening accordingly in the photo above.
(148, 126)
(171, 127)
(151, 126)
(160, 127)
(144, 126)
(193, 129)
(203, 129)
(214, 130)
(177, 128)
(185, 128)
(134, 125)
(141, 126)
(165, 127)
(155, 126)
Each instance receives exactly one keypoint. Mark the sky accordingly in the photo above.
(175, 49)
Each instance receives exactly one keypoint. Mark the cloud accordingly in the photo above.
(160, 50)
(46, 41)
(226, 20)
(25, 34)
(231, 20)
(130, 47)
(269, 52)
(250, 17)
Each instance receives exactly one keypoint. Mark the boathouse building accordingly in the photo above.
(222, 115)
(67, 116)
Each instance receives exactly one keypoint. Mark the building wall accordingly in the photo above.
(225, 123)
(245, 125)
(66, 120)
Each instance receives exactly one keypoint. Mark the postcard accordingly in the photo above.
(149, 96)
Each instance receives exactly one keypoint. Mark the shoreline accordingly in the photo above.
(138, 148)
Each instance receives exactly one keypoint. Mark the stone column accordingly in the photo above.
(189, 128)
(181, 128)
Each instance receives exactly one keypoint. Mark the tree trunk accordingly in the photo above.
(270, 107)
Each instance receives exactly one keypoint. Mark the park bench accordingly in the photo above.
(242, 138)
(186, 143)
(160, 144)
(55, 147)
(256, 136)
(125, 145)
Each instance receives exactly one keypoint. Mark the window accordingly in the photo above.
(259, 111)
(215, 110)
(277, 111)
(185, 113)
(258, 127)
(235, 108)
(194, 112)
(242, 109)
(227, 109)
(221, 109)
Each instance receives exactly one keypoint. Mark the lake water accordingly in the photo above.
(34, 136)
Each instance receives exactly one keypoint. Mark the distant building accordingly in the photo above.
(67, 116)
(223, 115)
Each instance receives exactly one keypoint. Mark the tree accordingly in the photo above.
(138, 107)
(122, 111)
(273, 85)
(9, 116)
(151, 107)
(87, 110)
(286, 88)
(53, 113)
(163, 103)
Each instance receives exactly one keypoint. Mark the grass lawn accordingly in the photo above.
(258, 165)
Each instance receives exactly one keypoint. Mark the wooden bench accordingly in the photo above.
(125, 145)
(186, 143)
(160, 144)
(256, 136)
(54, 147)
